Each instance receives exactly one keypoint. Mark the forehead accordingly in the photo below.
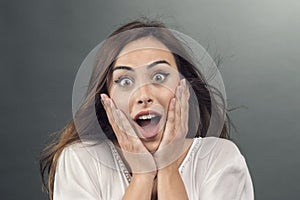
(144, 51)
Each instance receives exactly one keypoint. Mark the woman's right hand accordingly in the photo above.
(137, 156)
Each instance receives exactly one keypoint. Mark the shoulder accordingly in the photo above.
(224, 168)
(218, 153)
(81, 170)
(213, 146)
(85, 153)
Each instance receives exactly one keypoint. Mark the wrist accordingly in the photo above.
(144, 177)
(169, 170)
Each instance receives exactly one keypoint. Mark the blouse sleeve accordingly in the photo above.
(76, 176)
(233, 182)
(228, 176)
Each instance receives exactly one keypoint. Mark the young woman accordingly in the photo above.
(141, 131)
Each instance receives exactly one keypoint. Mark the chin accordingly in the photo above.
(151, 147)
(152, 144)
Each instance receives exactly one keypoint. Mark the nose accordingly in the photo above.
(144, 96)
(145, 101)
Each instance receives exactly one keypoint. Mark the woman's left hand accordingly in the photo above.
(176, 129)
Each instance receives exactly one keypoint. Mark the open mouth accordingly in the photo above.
(148, 124)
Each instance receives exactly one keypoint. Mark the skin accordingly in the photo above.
(138, 87)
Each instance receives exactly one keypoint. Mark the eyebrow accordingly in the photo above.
(148, 67)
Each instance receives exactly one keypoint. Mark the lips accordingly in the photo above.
(147, 123)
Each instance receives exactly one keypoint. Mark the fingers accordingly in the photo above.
(119, 122)
(125, 124)
(185, 107)
(177, 117)
(170, 123)
(113, 117)
(176, 128)
(133, 150)
(178, 95)
(182, 109)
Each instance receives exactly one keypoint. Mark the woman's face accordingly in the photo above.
(144, 80)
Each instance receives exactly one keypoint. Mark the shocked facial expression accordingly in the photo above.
(144, 80)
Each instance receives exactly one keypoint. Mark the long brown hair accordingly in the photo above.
(98, 84)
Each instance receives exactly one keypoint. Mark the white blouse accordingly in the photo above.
(213, 169)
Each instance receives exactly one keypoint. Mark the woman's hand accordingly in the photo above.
(169, 182)
(176, 129)
(138, 157)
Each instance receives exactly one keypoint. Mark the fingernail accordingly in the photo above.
(102, 99)
(107, 102)
(173, 101)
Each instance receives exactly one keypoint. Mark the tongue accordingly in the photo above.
(149, 128)
(143, 123)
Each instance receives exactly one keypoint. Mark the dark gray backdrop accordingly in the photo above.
(44, 42)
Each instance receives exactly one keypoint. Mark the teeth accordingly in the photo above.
(149, 116)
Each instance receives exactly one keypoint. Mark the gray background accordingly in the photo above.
(43, 43)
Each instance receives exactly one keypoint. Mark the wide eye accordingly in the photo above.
(124, 82)
(160, 77)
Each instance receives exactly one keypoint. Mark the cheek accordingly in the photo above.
(164, 96)
(167, 96)
(121, 101)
